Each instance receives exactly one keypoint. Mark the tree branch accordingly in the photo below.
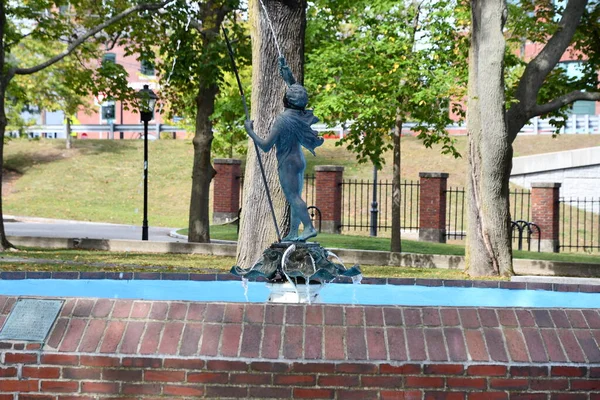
(564, 100)
(88, 34)
(538, 69)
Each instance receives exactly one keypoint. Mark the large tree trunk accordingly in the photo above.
(396, 245)
(489, 152)
(203, 171)
(288, 18)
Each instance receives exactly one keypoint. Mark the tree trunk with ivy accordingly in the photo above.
(488, 248)
(288, 18)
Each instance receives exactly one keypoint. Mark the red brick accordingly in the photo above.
(292, 341)
(529, 371)
(57, 333)
(250, 379)
(191, 338)
(9, 372)
(32, 346)
(59, 359)
(476, 345)
(226, 391)
(312, 368)
(381, 381)
(145, 388)
(122, 308)
(404, 395)
(170, 338)
(444, 396)
(585, 384)
(81, 373)
(142, 362)
(41, 372)
(571, 346)
(356, 368)
(151, 337)
(509, 384)
(553, 345)
(466, 383)
(208, 377)
(435, 345)
(488, 396)
(270, 366)
(356, 346)
(73, 335)
(112, 336)
(214, 312)
(269, 392)
(444, 369)
(405, 369)
(357, 394)
(132, 336)
(164, 376)
(528, 396)
(99, 387)
(189, 364)
(210, 338)
(548, 384)
(91, 337)
(34, 397)
(295, 380)
(271, 341)
(486, 370)
(177, 311)
(416, 344)
(569, 396)
(159, 310)
(99, 361)
(192, 391)
(334, 341)
(223, 365)
(10, 385)
(424, 382)
(122, 375)
(102, 308)
(455, 341)
(60, 386)
(306, 393)
(140, 309)
(20, 358)
(338, 380)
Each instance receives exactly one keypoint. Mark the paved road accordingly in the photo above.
(40, 227)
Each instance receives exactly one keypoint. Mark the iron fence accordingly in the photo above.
(357, 196)
(579, 224)
(520, 209)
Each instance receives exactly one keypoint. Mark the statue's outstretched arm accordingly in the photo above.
(286, 72)
(265, 144)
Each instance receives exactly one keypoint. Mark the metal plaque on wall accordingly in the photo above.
(30, 320)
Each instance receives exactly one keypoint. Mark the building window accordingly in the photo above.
(574, 70)
(147, 68)
(109, 57)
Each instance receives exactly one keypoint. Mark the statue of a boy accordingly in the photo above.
(292, 130)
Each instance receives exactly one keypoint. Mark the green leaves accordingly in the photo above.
(370, 62)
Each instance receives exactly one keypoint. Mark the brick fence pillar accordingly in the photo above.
(328, 196)
(226, 190)
(545, 213)
(432, 206)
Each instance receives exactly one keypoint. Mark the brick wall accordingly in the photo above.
(71, 376)
(432, 206)
(545, 213)
(226, 187)
(107, 348)
(328, 184)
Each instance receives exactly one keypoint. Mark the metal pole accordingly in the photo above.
(145, 222)
(374, 204)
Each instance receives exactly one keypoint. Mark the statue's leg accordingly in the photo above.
(294, 225)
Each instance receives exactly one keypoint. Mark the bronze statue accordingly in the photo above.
(292, 130)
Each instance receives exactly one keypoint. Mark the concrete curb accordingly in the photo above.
(349, 257)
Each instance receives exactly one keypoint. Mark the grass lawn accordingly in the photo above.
(85, 260)
(228, 232)
(101, 180)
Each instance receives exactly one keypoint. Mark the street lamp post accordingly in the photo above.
(147, 100)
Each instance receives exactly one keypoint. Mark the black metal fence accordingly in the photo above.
(579, 224)
(520, 209)
(357, 199)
